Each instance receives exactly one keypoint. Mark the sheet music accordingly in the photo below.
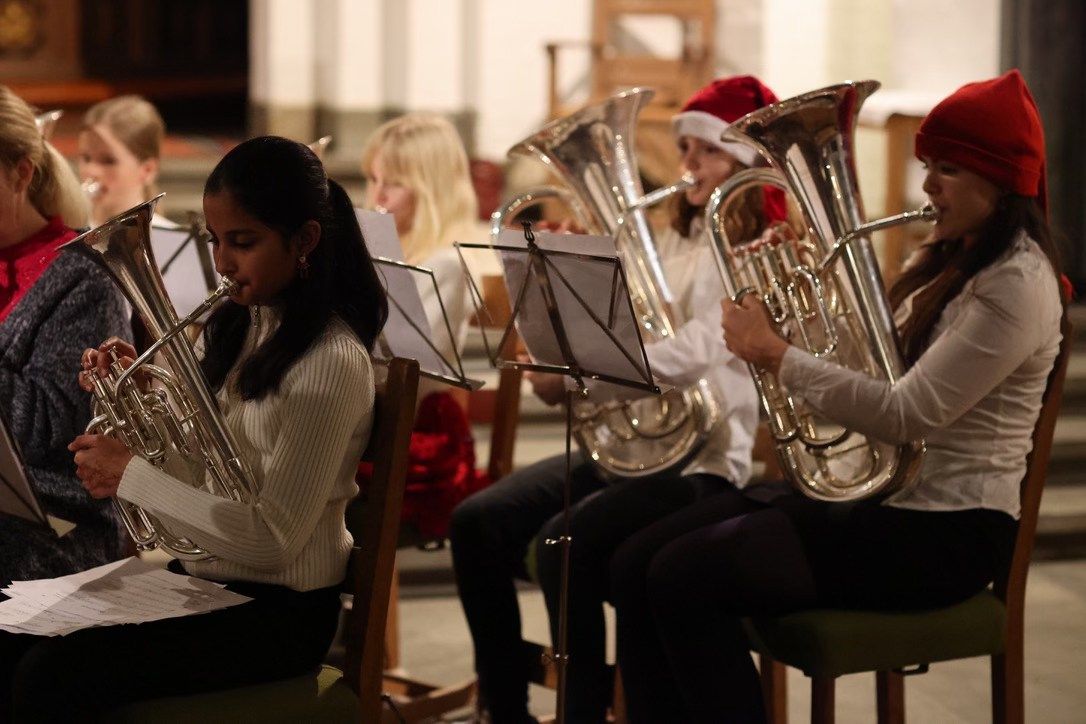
(584, 285)
(407, 332)
(17, 498)
(128, 591)
(179, 263)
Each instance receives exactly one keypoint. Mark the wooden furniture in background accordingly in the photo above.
(499, 407)
(901, 130)
(615, 67)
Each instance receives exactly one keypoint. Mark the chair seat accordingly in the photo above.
(834, 643)
(320, 696)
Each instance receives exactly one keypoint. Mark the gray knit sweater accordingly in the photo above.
(72, 306)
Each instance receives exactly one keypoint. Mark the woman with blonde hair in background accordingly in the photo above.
(120, 148)
(119, 155)
(51, 307)
(417, 170)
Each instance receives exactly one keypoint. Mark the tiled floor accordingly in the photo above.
(435, 646)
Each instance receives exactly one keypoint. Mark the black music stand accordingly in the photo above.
(407, 331)
(179, 248)
(542, 277)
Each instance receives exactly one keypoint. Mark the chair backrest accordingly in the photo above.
(501, 406)
(674, 79)
(375, 523)
(1012, 589)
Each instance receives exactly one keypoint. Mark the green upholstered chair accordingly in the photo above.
(328, 694)
(825, 644)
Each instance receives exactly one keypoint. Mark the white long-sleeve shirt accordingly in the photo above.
(303, 443)
(974, 394)
(697, 351)
(453, 288)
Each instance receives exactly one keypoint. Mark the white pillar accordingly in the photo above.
(348, 70)
(795, 45)
(938, 46)
(435, 68)
(282, 84)
(512, 66)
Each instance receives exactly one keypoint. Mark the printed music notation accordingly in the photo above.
(128, 591)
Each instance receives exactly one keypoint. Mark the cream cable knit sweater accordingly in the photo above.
(303, 444)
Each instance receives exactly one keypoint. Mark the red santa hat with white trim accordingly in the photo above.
(710, 111)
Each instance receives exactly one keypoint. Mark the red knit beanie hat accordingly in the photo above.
(992, 128)
(710, 111)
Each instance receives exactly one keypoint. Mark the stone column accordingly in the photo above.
(282, 91)
(1046, 39)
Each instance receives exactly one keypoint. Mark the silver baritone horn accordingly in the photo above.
(824, 293)
(592, 152)
(176, 419)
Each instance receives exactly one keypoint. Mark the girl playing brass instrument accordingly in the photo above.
(979, 312)
(288, 357)
(493, 529)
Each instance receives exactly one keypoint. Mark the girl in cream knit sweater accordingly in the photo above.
(288, 356)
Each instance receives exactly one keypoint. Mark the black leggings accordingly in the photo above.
(75, 678)
(491, 532)
(682, 586)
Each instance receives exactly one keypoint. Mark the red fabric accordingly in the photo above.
(23, 263)
(1067, 290)
(729, 99)
(992, 128)
(774, 205)
(441, 466)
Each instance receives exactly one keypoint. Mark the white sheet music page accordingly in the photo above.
(128, 591)
(17, 498)
(407, 329)
(584, 287)
(179, 263)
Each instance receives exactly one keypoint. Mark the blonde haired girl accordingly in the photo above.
(119, 150)
(54, 189)
(417, 170)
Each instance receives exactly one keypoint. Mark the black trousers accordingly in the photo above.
(682, 586)
(490, 534)
(76, 678)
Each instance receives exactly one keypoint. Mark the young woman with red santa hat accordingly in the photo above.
(979, 313)
(492, 530)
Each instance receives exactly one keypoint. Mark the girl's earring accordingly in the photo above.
(303, 267)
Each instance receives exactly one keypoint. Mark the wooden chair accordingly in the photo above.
(417, 700)
(331, 695)
(614, 68)
(826, 644)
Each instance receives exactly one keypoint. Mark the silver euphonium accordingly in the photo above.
(176, 419)
(47, 123)
(823, 293)
(592, 152)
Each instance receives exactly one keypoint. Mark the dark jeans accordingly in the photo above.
(75, 678)
(491, 532)
(682, 586)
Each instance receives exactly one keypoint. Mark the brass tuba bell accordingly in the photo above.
(592, 152)
(823, 293)
(179, 418)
